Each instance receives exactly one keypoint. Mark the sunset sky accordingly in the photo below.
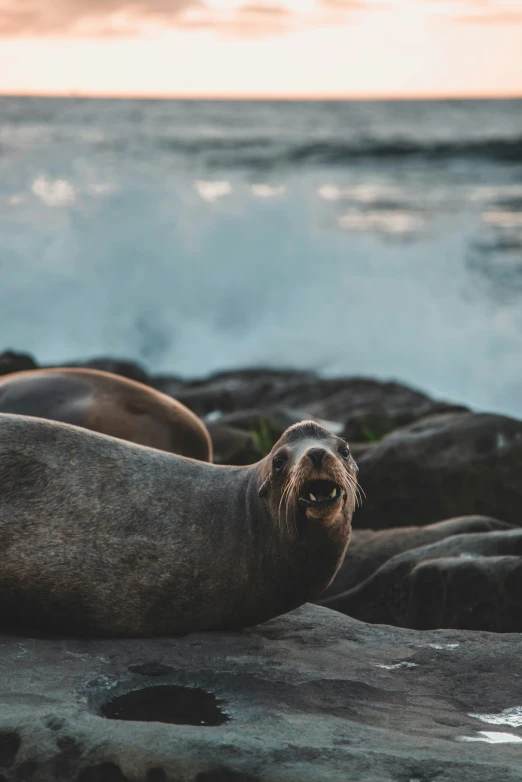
(296, 48)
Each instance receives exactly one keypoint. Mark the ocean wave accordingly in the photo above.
(266, 151)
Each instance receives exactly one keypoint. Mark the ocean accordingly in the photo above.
(352, 238)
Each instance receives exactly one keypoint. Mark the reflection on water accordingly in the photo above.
(381, 239)
(267, 191)
(211, 191)
(511, 717)
(397, 666)
(393, 222)
(492, 737)
(58, 192)
(502, 219)
(496, 252)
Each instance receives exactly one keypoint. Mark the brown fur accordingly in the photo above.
(100, 536)
(109, 404)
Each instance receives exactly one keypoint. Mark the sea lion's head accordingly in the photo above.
(310, 477)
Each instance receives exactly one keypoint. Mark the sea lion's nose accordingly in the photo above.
(316, 456)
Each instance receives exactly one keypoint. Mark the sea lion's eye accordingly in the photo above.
(344, 451)
(278, 463)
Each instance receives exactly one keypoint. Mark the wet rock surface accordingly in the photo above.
(312, 695)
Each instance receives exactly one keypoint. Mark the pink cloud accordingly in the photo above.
(40, 17)
(19, 18)
(489, 12)
(507, 17)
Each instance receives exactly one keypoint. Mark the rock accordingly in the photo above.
(232, 446)
(367, 408)
(443, 466)
(15, 362)
(229, 392)
(369, 549)
(371, 409)
(358, 449)
(246, 436)
(309, 696)
(277, 418)
(116, 366)
(469, 581)
(168, 384)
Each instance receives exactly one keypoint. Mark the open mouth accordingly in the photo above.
(320, 493)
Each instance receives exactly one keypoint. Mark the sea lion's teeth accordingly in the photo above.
(334, 492)
(313, 497)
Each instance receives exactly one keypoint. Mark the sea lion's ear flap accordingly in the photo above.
(263, 490)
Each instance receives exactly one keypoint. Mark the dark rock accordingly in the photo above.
(368, 409)
(104, 772)
(443, 466)
(371, 409)
(278, 418)
(369, 549)
(168, 384)
(9, 746)
(232, 446)
(260, 430)
(469, 581)
(15, 362)
(358, 449)
(229, 392)
(310, 696)
(116, 366)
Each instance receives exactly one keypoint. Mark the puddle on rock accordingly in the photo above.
(511, 717)
(397, 666)
(172, 704)
(492, 737)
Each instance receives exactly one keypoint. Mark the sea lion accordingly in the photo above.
(107, 403)
(104, 537)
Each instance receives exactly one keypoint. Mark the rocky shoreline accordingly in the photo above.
(437, 547)
(312, 696)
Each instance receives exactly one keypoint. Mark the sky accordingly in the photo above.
(262, 48)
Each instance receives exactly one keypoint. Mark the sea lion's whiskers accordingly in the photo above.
(360, 490)
(294, 483)
(288, 488)
(349, 483)
(285, 491)
(288, 494)
(351, 480)
(294, 501)
(354, 488)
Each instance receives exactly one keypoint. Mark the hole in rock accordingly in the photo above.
(172, 704)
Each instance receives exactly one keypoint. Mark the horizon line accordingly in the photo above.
(75, 94)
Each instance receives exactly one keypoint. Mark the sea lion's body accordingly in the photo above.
(101, 536)
(109, 404)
